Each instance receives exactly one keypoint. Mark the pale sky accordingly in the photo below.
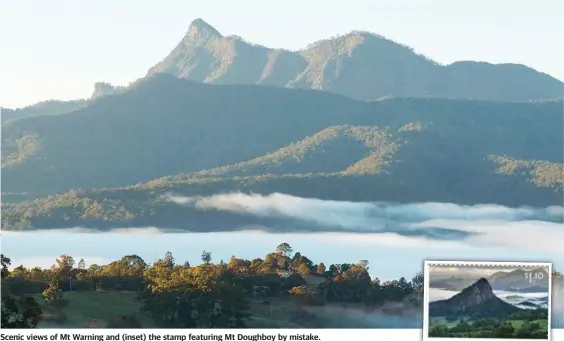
(467, 271)
(58, 49)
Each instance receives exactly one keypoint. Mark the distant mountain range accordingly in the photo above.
(535, 280)
(53, 107)
(106, 161)
(361, 65)
(476, 301)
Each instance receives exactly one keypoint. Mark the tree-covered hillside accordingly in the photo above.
(168, 134)
(164, 126)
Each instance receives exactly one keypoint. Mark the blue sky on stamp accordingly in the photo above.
(473, 271)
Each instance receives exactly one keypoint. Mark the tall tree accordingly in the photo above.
(284, 249)
(5, 261)
(206, 257)
(81, 264)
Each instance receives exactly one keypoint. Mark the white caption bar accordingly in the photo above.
(219, 334)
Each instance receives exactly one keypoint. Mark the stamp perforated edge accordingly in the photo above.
(492, 264)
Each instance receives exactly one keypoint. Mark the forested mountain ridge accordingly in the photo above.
(164, 126)
(51, 107)
(360, 65)
(173, 135)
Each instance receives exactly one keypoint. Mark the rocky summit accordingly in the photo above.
(477, 300)
(476, 294)
(359, 64)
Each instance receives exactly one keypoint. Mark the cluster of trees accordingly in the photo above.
(209, 295)
(541, 173)
(521, 325)
(18, 311)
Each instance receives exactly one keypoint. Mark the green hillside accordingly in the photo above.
(171, 135)
(164, 126)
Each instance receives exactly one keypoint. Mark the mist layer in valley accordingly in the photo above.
(350, 230)
(480, 225)
(477, 232)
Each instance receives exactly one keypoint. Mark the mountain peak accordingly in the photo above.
(476, 300)
(483, 284)
(477, 293)
(104, 89)
(201, 30)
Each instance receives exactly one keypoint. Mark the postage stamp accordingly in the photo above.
(487, 300)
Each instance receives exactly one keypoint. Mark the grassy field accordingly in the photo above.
(264, 323)
(519, 323)
(102, 306)
(99, 305)
(441, 321)
(105, 305)
(314, 281)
